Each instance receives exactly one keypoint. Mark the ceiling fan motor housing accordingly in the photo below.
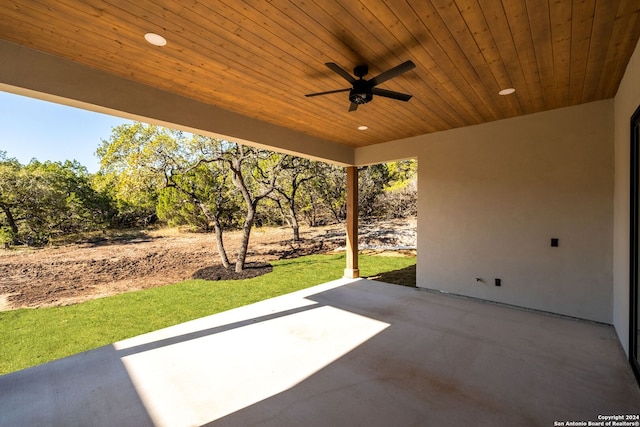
(361, 92)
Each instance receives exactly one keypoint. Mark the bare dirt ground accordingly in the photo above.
(68, 274)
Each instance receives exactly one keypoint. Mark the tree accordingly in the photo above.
(42, 199)
(401, 173)
(163, 161)
(371, 183)
(254, 174)
(330, 185)
(11, 187)
(388, 190)
(204, 180)
(6, 237)
(78, 206)
(295, 172)
(127, 173)
(400, 195)
(310, 205)
(147, 160)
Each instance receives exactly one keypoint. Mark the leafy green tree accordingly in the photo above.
(371, 181)
(75, 204)
(130, 208)
(399, 198)
(6, 237)
(388, 190)
(175, 210)
(11, 191)
(401, 174)
(254, 174)
(128, 172)
(202, 186)
(145, 160)
(43, 199)
(310, 205)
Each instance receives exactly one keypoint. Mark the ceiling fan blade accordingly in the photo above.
(393, 72)
(341, 72)
(391, 94)
(353, 107)
(328, 92)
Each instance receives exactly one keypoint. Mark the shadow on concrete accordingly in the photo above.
(178, 339)
(404, 276)
(90, 388)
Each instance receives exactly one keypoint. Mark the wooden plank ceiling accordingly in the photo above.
(259, 58)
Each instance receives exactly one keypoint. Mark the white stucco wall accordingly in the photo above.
(625, 103)
(503, 220)
(492, 196)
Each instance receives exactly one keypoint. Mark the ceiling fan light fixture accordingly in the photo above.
(360, 97)
(155, 39)
(361, 92)
(506, 91)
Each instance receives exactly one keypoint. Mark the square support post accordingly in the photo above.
(351, 271)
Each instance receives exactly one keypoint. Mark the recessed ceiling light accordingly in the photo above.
(507, 91)
(363, 127)
(155, 39)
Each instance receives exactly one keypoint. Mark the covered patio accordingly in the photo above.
(524, 200)
(349, 352)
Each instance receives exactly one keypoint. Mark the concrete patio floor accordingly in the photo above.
(349, 352)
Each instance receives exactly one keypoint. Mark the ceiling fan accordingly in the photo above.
(362, 91)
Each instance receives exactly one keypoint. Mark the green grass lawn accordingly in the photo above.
(34, 336)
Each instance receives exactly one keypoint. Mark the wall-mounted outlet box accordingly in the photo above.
(554, 242)
(498, 282)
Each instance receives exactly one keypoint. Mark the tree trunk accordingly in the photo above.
(246, 234)
(213, 217)
(285, 218)
(220, 243)
(12, 223)
(238, 180)
(252, 204)
(294, 223)
(310, 215)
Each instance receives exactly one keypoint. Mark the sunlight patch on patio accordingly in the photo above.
(203, 370)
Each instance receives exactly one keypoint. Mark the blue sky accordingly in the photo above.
(30, 128)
